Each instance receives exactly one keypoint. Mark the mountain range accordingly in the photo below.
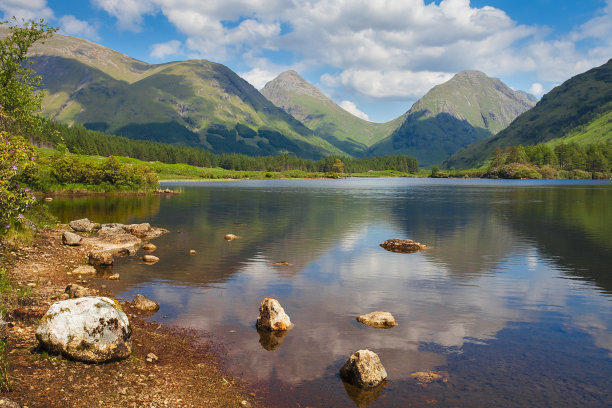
(205, 104)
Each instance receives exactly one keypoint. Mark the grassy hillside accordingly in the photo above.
(469, 107)
(323, 116)
(196, 103)
(578, 110)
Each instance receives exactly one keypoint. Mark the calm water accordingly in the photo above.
(513, 302)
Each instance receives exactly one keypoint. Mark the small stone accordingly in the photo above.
(152, 358)
(7, 403)
(71, 239)
(100, 258)
(363, 369)
(32, 285)
(48, 199)
(150, 258)
(76, 291)
(192, 252)
(83, 270)
(272, 316)
(114, 276)
(384, 320)
(245, 403)
(141, 302)
(230, 237)
(149, 247)
(403, 245)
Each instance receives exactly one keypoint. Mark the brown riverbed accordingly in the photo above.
(188, 371)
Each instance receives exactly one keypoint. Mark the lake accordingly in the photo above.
(511, 306)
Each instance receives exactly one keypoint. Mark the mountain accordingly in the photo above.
(323, 116)
(578, 110)
(196, 102)
(469, 107)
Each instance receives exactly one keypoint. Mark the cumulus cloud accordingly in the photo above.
(73, 26)
(26, 10)
(258, 77)
(162, 50)
(129, 13)
(536, 89)
(350, 107)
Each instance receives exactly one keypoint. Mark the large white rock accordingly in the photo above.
(363, 369)
(272, 316)
(89, 329)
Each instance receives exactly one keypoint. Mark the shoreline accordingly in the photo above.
(187, 373)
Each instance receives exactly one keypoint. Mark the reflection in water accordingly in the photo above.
(271, 340)
(490, 283)
(363, 397)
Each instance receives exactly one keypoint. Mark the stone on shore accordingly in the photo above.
(82, 225)
(363, 369)
(402, 245)
(149, 247)
(71, 239)
(83, 270)
(272, 316)
(7, 403)
(139, 230)
(141, 302)
(101, 258)
(150, 258)
(383, 320)
(88, 329)
(77, 291)
(4, 329)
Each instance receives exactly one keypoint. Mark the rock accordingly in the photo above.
(383, 320)
(77, 291)
(428, 377)
(150, 258)
(82, 225)
(114, 276)
(246, 404)
(83, 270)
(4, 329)
(283, 263)
(48, 199)
(101, 258)
(141, 302)
(230, 237)
(7, 403)
(271, 340)
(149, 247)
(139, 230)
(88, 329)
(272, 316)
(192, 252)
(363, 369)
(70, 238)
(151, 358)
(402, 245)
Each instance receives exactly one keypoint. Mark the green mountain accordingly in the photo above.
(467, 108)
(323, 116)
(579, 110)
(196, 103)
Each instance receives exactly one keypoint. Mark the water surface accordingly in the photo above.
(512, 304)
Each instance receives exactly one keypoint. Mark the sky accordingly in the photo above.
(375, 58)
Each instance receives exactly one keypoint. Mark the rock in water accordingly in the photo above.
(141, 302)
(384, 320)
(149, 247)
(139, 230)
(101, 258)
(82, 225)
(230, 237)
(150, 258)
(402, 245)
(363, 369)
(70, 238)
(272, 316)
(88, 329)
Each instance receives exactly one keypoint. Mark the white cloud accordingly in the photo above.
(536, 89)
(129, 13)
(73, 26)
(162, 50)
(350, 107)
(26, 10)
(258, 77)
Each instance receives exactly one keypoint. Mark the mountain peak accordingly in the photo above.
(290, 81)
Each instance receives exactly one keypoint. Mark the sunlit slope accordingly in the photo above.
(578, 110)
(469, 107)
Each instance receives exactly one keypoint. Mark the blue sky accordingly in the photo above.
(374, 57)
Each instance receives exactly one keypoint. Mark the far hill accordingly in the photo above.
(323, 116)
(469, 107)
(196, 103)
(579, 110)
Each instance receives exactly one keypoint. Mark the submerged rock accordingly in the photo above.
(363, 369)
(141, 302)
(82, 225)
(428, 377)
(230, 237)
(88, 329)
(70, 238)
(382, 320)
(402, 245)
(101, 258)
(272, 316)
